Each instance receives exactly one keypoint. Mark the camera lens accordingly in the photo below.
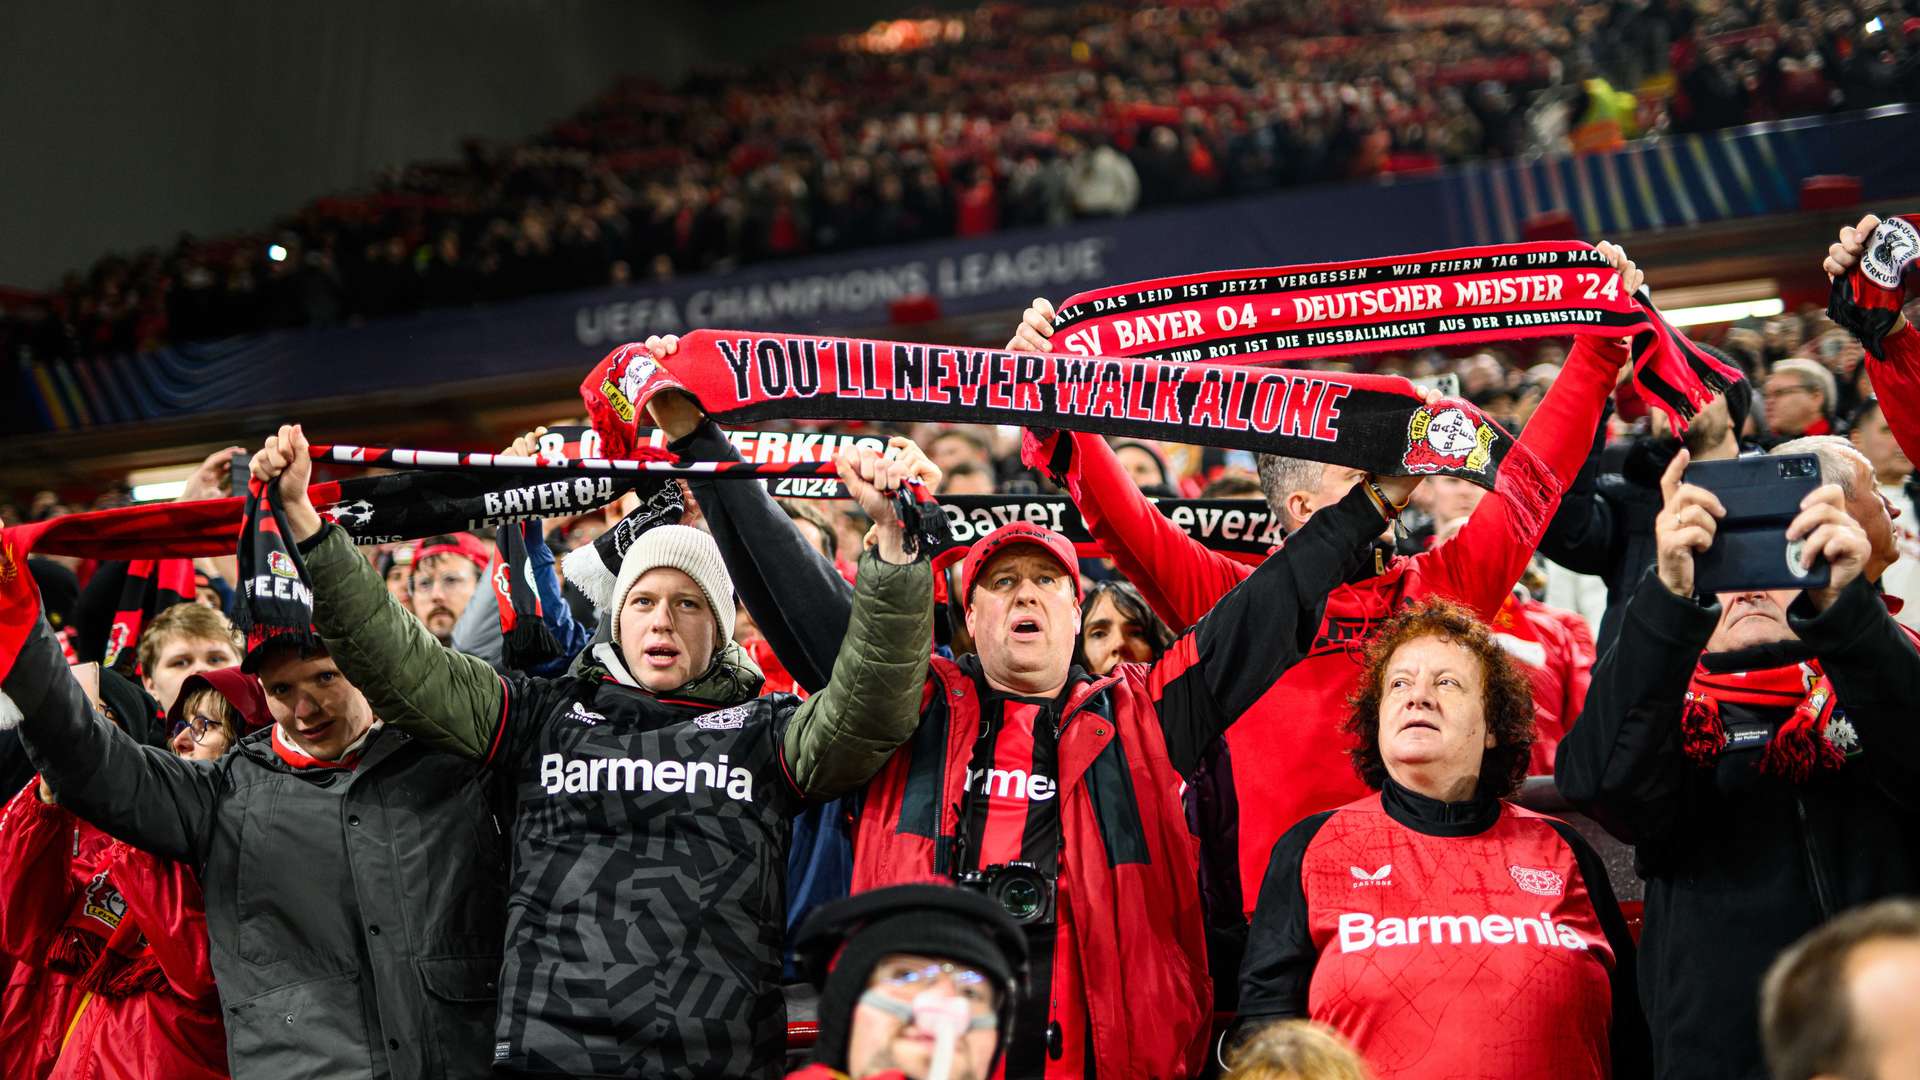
(1021, 898)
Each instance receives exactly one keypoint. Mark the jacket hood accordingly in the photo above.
(732, 678)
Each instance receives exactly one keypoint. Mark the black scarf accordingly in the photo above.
(276, 600)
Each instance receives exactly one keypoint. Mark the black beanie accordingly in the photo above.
(942, 921)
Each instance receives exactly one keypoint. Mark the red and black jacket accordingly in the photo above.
(1447, 939)
(1289, 754)
(1129, 943)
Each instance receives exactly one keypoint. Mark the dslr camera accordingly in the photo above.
(1020, 888)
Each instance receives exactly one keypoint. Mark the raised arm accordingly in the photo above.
(1178, 576)
(141, 794)
(1870, 658)
(454, 701)
(1581, 536)
(1872, 312)
(1479, 565)
(1217, 670)
(842, 735)
(793, 591)
(1623, 763)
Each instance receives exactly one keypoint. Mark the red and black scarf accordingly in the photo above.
(1377, 423)
(101, 944)
(1813, 739)
(276, 599)
(151, 586)
(1466, 296)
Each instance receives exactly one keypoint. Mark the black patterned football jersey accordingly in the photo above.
(646, 910)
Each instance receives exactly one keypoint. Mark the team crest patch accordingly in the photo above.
(104, 902)
(622, 405)
(281, 564)
(724, 719)
(1538, 882)
(1895, 244)
(1448, 438)
(640, 367)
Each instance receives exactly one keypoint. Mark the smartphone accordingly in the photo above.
(1762, 496)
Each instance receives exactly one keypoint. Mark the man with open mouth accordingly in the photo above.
(653, 787)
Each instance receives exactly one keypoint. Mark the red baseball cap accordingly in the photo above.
(1010, 535)
(241, 690)
(465, 545)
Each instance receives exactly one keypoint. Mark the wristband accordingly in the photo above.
(1388, 510)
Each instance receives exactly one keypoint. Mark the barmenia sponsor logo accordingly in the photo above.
(1359, 930)
(591, 775)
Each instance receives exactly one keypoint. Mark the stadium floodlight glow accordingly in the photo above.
(276, 253)
(1712, 314)
(169, 489)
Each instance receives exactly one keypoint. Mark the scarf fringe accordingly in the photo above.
(74, 953)
(1702, 733)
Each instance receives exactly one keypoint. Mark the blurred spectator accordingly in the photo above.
(1845, 1000)
(1799, 399)
(185, 640)
(1117, 626)
(1296, 1050)
(1893, 477)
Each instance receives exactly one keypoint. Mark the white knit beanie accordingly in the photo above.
(686, 549)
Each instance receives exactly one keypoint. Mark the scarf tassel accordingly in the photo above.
(1702, 733)
(1800, 749)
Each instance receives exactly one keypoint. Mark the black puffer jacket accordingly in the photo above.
(1739, 864)
(355, 916)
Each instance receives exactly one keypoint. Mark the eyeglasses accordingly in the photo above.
(200, 726)
(906, 980)
(444, 583)
(1783, 391)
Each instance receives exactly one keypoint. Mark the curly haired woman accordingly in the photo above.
(1443, 929)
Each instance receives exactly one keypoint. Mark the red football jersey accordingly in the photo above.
(1444, 940)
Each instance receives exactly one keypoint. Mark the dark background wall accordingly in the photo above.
(123, 123)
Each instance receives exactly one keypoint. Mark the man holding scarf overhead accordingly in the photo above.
(653, 789)
(352, 874)
(1022, 758)
(1759, 749)
(1287, 759)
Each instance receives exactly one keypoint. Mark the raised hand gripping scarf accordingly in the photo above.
(1458, 297)
(276, 599)
(1867, 301)
(1376, 423)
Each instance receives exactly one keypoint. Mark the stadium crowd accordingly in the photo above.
(1000, 117)
(751, 744)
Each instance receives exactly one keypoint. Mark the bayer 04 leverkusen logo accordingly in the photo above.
(281, 564)
(1890, 252)
(1448, 439)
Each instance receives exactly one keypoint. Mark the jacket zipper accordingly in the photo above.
(1813, 861)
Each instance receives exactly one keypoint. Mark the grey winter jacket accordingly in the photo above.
(355, 916)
